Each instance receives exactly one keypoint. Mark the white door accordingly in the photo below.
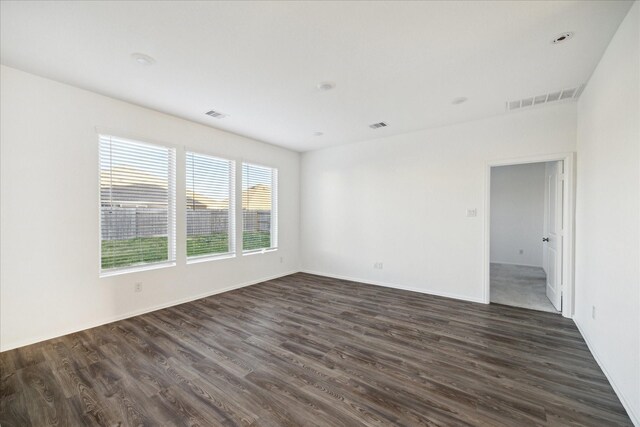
(552, 241)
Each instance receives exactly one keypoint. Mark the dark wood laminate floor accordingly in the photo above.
(306, 350)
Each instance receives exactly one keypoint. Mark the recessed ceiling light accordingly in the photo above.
(562, 37)
(143, 59)
(318, 133)
(459, 100)
(326, 85)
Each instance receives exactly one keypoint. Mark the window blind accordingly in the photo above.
(259, 208)
(210, 205)
(137, 203)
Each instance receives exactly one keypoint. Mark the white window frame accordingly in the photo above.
(171, 213)
(274, 210)
(232, 212)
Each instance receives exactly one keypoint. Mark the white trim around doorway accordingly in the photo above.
(568, 284)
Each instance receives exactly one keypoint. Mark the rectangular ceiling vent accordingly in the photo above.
(561, 95)
(378, 125)
(216, 114)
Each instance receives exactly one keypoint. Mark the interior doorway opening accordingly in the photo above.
(529, 231)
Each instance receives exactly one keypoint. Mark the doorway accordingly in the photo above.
(529, 232)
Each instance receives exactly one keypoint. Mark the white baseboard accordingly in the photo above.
(635, 419)
(90, 325)
(516, 264)
(396, 286)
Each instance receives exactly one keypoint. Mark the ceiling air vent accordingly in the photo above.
(378, 125)
(561, 95)
(216, 114)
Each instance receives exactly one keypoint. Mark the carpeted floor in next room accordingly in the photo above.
(520, 286)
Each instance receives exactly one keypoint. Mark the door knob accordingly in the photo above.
(545, 239)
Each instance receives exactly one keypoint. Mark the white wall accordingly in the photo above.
(608, 213)
(402, 200)
(49, 213)
(517, 214)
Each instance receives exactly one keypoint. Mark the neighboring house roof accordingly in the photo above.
(198, 201)
(125, 186)
(257, 197)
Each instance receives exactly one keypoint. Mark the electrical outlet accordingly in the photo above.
(281, 259)
(471, 213)
(520, 251)
(377, 265)
(593, 312)
(137, 287)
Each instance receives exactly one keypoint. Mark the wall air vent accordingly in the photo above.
(561, 95)
(378, 125)
(216, 114)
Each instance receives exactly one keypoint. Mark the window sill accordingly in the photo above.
(206, 258)
(259, 251)
(136, 269)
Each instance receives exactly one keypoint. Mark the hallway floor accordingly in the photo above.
(520, 286)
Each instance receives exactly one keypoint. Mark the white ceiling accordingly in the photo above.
(260, 62)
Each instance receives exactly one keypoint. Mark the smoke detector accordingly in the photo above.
(143, 59)
(326, 85)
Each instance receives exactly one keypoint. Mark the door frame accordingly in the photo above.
(568, 204)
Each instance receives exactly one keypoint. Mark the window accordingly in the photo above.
(210, 206)
(137, 204)
(259, 208)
